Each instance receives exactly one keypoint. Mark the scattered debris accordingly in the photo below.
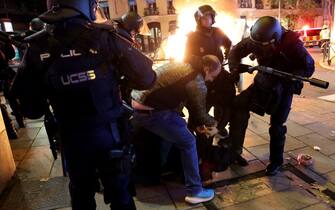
(316, 148)
(305, 159)
(44, 179)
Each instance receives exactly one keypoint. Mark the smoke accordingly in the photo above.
(226, 6)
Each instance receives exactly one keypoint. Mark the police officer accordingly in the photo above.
(221, 92)
(281, 49)
(35, 25)
(130, 24)
(206, 40)
(74, 69)
(7, 74)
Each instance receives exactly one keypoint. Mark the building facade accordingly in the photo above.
(161, 15)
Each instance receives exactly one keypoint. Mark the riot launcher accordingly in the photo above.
(313, 81)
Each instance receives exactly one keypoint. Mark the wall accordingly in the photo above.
(7, 164)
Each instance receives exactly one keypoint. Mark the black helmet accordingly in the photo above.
(131, 21)
(85, 7)
(266, 30)
(204, 10)
(36, 24)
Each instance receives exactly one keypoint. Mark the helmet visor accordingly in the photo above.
(259, 43)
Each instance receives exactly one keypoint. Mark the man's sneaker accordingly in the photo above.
(203, 196)
(272, 169)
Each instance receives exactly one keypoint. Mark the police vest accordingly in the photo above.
(82, 87)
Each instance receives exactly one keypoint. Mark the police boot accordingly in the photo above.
(238, 159)
(273, 169)
(19, 120)
(10, 128)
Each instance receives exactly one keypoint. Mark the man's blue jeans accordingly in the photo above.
(169, 125)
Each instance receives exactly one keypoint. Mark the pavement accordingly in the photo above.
(38, 183)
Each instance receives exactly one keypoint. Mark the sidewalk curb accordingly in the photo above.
(325, 66)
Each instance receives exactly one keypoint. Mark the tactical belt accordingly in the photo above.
(88, 121)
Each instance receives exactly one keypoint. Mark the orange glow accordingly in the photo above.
(305, 28)
(174, 45)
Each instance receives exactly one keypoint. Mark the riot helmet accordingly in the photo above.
(267, 30)
(36, 24)
(131, 21)
(204, 10)
(87, 8)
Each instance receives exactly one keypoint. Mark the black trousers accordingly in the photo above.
(277, 130)
(220, 95)
(87, 161)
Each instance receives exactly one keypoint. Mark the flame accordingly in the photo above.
(174, 45)
(305, 28)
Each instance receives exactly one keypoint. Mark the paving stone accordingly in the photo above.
(284, 180)
(322, 163)
(20, 144)
(18, 154)
(294, 129)
(278, 201)
(27, 133)
(319, 206)
(258, 126)
(247, 155)
(148, 192)
(35, 120)
(302, 118)
(253, 167)
(177, 193)
(240, 192)
(57, 169)
(99, 199)
(198, 208)
(322, 108)
(34, 124)
(324, 117)
(292, 143)
(261, 152)
(331, 176)
(156, 203)
(41, 141)
(42, 133)
(101, 204)
(37, 163)
(323, 129)
(252, 139)
(265, 118)
(315, 139)
(36, 194)
(330, 115)
(223, 175)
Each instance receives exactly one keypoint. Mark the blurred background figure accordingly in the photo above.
(7, 74)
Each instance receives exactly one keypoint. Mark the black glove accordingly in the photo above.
(296, 86)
